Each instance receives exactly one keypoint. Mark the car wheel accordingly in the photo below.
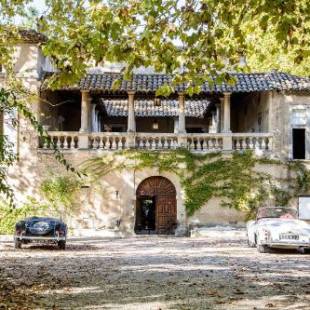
(62, 244)
(263, 248)
(301, 250)
(17, 244)
(251, 244)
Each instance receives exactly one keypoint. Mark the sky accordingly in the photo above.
(39, 5)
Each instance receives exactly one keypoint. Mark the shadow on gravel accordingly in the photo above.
(48, 247)
(157, 274)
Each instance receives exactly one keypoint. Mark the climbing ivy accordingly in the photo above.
(60, 191)
(59, 194)
(10, 216)
(230, 177)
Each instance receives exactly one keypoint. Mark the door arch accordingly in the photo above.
(156, 207)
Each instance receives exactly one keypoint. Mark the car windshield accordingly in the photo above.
(289, 213)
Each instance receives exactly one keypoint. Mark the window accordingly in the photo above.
(299, 143)
(299, 117)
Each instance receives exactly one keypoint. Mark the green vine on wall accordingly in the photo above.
(10, 216)
(60, 191)
(229, 177)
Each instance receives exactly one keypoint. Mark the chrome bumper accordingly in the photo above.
(38, 238)
(288, 245)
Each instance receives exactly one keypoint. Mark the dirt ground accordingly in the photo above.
(153, 272)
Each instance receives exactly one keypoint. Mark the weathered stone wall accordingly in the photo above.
(111, 199)
(281, 122)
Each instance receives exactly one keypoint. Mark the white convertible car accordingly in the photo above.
(278, 227)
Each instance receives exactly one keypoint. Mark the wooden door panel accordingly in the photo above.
(166, 214)
(166, 207)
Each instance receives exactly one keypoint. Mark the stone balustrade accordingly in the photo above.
(62, 139)
(108, 141)
(200, 142)
(160, 141)
(204, 142)
(252, 141)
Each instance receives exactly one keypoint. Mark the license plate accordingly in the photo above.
(289, 237)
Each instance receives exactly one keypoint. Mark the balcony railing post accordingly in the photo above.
(227, 142)
(83, 141)
(182, 141)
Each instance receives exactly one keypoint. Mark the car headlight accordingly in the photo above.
(265, 234)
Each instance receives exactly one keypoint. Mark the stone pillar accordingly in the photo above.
(218, 117)
(85, 111)
(221, 115)
(182, 128)
(131, 121)
(93, 118)
(214, 124)
(227, 138)
(85, 120)
(182, 139)
(98, 122)
(226, 121)
(176, 125)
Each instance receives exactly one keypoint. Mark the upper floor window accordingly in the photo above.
(299, 117)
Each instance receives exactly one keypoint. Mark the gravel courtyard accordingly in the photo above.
(153, 272)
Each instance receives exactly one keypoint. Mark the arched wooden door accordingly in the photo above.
(163, 193)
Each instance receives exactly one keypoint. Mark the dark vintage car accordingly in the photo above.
(40, 230)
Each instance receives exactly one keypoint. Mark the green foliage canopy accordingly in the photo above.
(190, 39)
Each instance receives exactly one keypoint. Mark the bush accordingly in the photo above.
(60, 191)
(9, 216)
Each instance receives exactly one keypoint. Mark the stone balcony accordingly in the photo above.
(198, 142)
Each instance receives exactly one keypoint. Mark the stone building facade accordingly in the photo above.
(268, 113)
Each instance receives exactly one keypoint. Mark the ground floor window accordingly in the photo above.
(299, 143)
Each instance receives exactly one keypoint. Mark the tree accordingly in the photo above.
(190, 39)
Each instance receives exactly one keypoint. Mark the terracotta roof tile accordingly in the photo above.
(147, 108)
(245, 82)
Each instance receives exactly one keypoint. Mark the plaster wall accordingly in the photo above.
(283, 120)
(109, 202)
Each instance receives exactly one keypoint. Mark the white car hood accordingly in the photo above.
(279, 225)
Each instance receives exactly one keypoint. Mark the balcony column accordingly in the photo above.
(85, 112)
(221, 115)
(98, 122)
(182, 128)
(131, 121)
(176, 125)
(182, 139)
(227, 139)
(85, 120)
(214, 123)
(94, 118)
(226, 113)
